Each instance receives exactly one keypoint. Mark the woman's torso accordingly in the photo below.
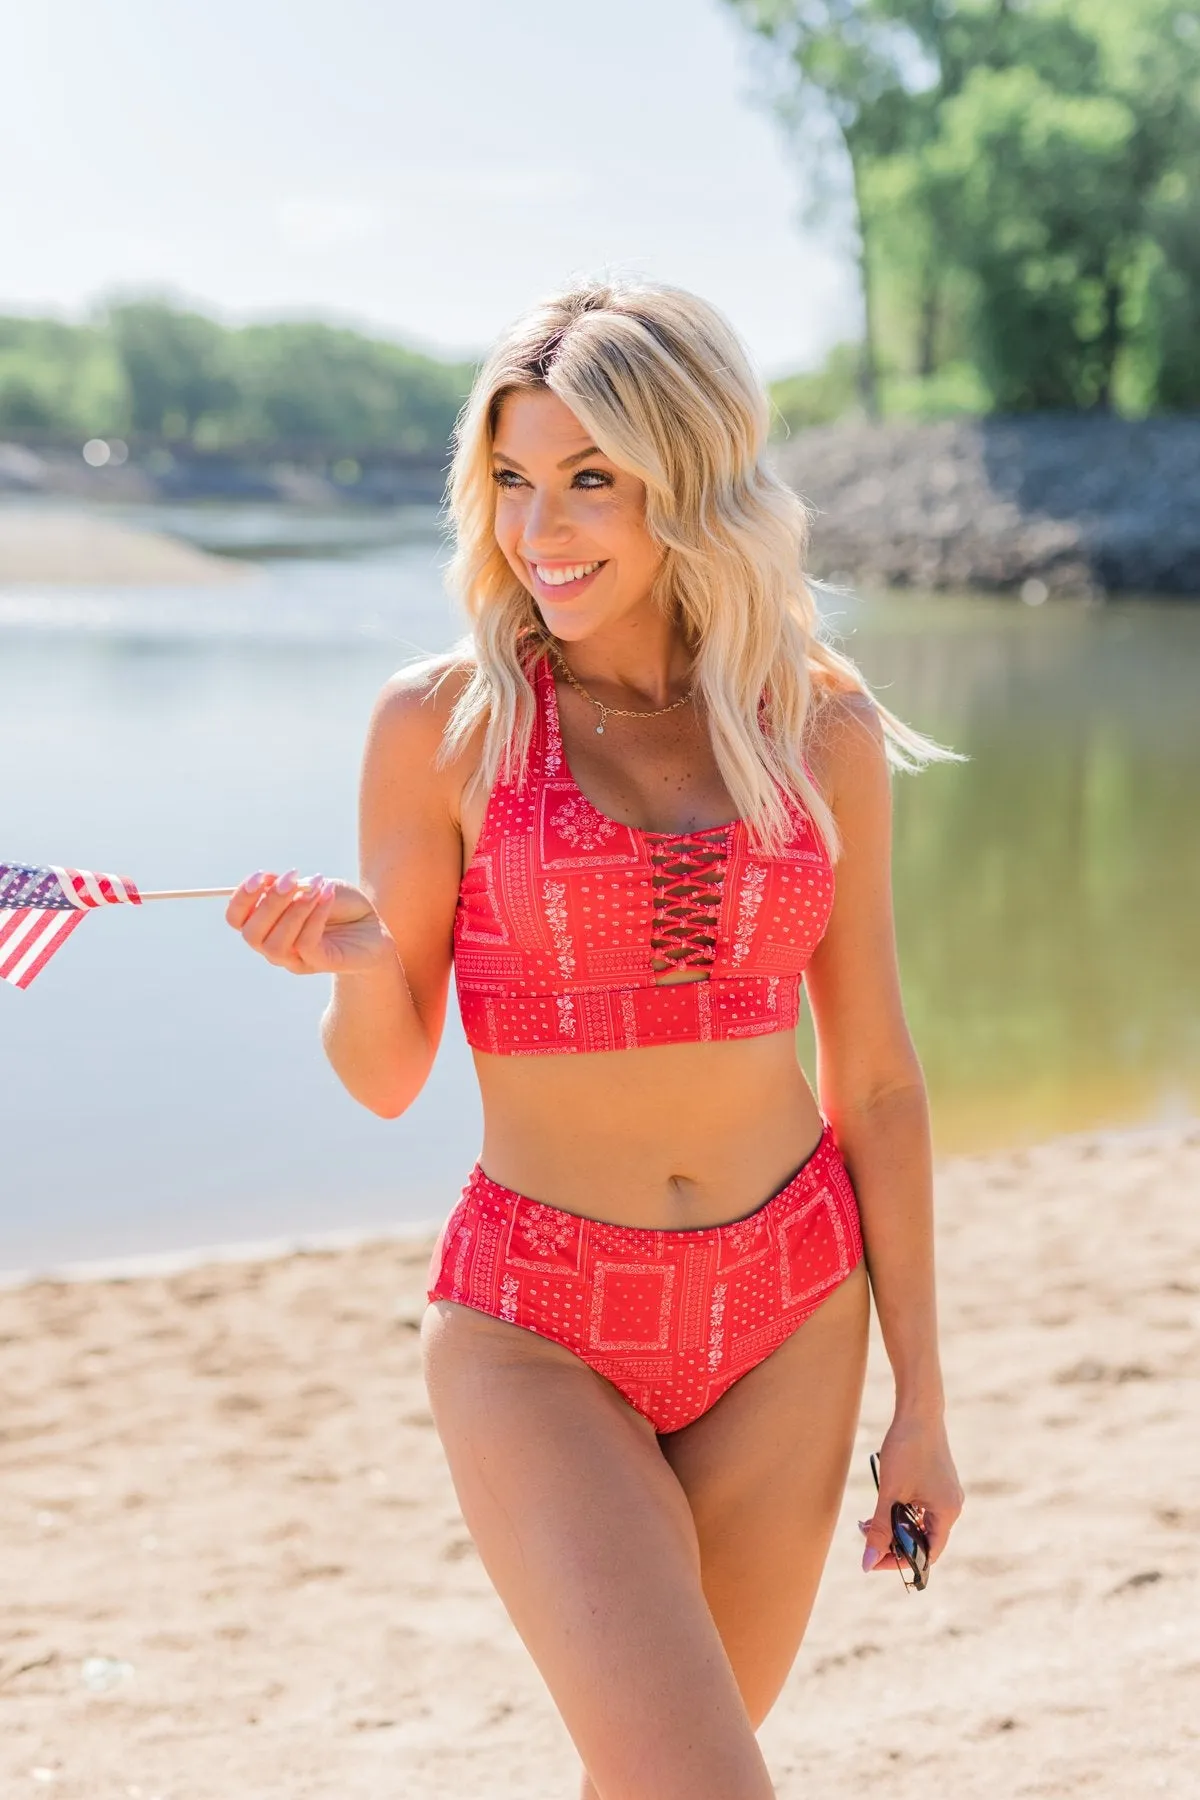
(681, 1133)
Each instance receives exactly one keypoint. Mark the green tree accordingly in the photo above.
(174, 363)
(56, 377)
(1021, 177)
(1151, 51)
(843, 71)
(1172, 314)
(324, 383)
(147, 367)
(1036, 186)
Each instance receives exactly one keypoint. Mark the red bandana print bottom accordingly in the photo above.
(671, 1318)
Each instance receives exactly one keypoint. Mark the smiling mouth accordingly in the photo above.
(564, 575)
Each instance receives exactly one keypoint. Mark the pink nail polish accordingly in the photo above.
(253, 882)
(870, 1557)
(286, 882)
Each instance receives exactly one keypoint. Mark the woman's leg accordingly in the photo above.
(589, 1539)
(764, 1471)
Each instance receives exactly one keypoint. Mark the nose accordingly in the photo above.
(547, 525)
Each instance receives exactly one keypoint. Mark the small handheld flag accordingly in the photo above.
(40, 908)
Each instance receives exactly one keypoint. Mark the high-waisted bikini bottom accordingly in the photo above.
(671, 1318)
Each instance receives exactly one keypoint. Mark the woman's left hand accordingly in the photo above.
(915, 1465)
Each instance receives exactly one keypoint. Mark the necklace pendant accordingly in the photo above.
(600, 730)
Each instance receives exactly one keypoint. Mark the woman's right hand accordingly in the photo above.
(310, 927)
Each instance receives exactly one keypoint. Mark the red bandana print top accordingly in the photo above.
(567, 921)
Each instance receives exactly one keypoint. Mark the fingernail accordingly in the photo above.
(870, 1557)
(328, 889)
(864, 1525)
(253, 882)
(286, 882)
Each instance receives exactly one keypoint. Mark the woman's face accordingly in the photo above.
(570, 523)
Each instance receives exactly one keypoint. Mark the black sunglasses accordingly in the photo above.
(909, 1544)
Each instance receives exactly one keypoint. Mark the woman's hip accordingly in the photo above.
(671, 1317)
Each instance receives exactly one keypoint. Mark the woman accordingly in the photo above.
(643, 803)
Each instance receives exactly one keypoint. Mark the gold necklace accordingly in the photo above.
(617, 712)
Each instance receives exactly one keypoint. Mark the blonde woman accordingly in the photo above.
(642, 804)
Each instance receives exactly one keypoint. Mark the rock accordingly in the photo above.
(1082, 504)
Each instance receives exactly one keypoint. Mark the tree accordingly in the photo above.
(302, 380)
(174, 364)
(1022, 178)
(56, 377)
(845, 70)
(147, 367)
(1036, 188)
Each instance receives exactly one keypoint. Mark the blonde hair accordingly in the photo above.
(662, 383)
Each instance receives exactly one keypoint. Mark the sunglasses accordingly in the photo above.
(909, 1544)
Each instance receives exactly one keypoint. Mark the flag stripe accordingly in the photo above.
(84, 888)
(13, 933)
(59, 927)
(90, 886)
(10, 917)
(74, 885)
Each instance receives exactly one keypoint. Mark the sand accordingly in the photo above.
(225, 1483)
(56, 544)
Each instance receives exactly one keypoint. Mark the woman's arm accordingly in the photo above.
(387, 943)
(383, 1027)
(873, 1093)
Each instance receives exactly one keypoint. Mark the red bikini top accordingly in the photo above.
(567, 921)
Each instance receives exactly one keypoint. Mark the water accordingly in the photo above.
(162, 1088)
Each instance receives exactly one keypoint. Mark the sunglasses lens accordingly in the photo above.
(911, 1543)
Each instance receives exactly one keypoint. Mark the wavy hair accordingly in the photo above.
(664, 386)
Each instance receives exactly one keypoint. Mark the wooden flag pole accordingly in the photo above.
(188, 893)
(206, 893)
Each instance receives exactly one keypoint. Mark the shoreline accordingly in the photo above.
(1038, 505)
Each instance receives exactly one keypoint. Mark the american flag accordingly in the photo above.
(40, 908)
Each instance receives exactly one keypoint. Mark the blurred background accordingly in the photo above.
(249, 264)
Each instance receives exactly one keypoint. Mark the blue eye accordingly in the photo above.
(595, 477)
(506, 478)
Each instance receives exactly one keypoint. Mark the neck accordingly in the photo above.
(643, 657)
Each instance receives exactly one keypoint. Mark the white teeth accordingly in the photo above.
(559, 577)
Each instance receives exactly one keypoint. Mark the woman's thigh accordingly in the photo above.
(589, 1539)
(764, 1471)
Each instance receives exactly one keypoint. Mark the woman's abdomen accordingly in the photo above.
(680, 1136)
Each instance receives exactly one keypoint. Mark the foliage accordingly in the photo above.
(144, 366)
(57, 377)
(1022, 181)
(814, 399)
(313, 381)
(833, 392)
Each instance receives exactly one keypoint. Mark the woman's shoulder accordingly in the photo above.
(415, 706)
(844, 737)
(423, 694)
(838, 705)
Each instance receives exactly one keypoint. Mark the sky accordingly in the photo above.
(422, 170)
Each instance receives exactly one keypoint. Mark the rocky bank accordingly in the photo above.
(1040, 505)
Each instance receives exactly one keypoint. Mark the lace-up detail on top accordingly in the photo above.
(688, 879)
(574, 932)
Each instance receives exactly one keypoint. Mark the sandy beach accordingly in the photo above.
(234, 1568)
(58, 544)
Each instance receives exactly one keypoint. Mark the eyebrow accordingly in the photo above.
(568, 462)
